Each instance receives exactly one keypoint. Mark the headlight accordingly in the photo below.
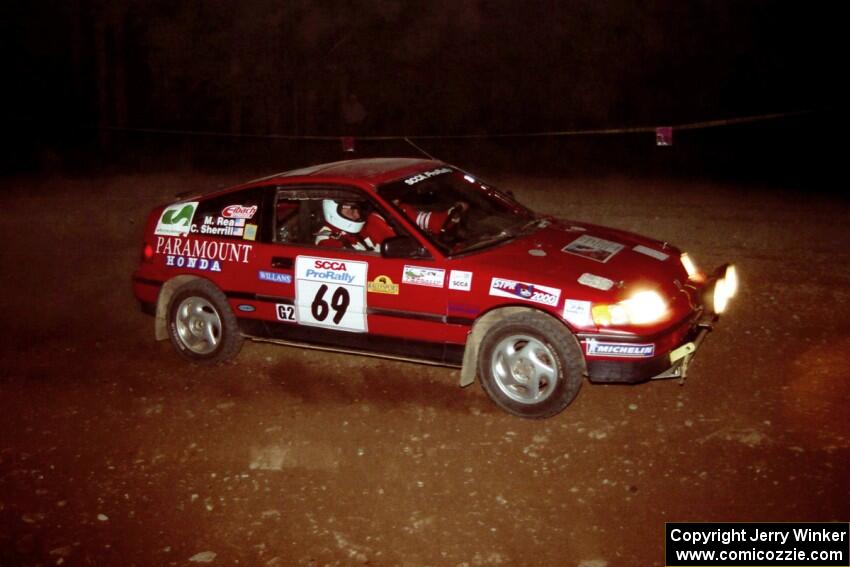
(691, 268)
(642, 308)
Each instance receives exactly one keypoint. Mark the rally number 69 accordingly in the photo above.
(339, 303)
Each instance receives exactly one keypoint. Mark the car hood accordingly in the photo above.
(588, 262)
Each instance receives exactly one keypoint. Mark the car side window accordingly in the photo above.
(300, 218)
(232, 216)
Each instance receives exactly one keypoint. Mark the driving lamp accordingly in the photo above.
(690, 267)
(642, 308)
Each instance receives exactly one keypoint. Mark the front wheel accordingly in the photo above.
(201, 325)
(530, 365)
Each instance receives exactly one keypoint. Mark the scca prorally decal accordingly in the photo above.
(426, 175)
(220, 226)
(331, 293)
(200, 254)
(525, 291)
(625, 350)
(176, 219)
(239, 212)
(330, 270)
(275, 277)
(592, 247)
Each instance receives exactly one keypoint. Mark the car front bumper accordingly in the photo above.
(673, 363)
(628, 359)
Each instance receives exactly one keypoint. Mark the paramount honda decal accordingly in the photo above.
(239, 212)
(624, 350)
(200, 254)
(525, 291)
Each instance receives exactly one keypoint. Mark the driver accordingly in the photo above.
(347, 225)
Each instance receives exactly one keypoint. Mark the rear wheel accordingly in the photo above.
(201, 325)
(530, 365)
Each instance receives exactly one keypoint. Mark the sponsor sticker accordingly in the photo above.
(596, 282)
(525, 291)
(460, 280)
(593, 248)
(176, 219)
(275, 277)
(426, 175)
(200, 254)
(652, 253)
(285, 312)
(382, 284)
(331, 293)
(331, 270)
(250, 232)
(430, 277)
(577, 312)
(624, 350)
(219, 226)
(239, 212)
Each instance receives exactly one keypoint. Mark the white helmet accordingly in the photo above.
(334, 217)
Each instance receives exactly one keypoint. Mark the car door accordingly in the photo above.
(350, 298)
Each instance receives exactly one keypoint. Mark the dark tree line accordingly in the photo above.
(473, 66)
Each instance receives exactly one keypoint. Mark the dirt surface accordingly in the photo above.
(114, 451)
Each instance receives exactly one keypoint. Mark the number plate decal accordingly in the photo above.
(331, 293)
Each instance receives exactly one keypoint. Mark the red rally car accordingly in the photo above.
(418, 260)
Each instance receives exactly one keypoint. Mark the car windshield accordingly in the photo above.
(457, 212)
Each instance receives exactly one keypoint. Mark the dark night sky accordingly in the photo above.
(419, 67)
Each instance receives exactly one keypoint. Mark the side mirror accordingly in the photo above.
(402, 247)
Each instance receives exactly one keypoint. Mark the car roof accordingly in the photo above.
(372, 171)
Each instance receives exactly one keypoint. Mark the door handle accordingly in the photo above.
(283, 263)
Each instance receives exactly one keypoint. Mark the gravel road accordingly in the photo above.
(114, 451)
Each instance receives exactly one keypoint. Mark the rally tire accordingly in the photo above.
(201, 325)
(530, 365)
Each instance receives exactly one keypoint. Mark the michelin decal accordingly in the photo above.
(622, 350)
